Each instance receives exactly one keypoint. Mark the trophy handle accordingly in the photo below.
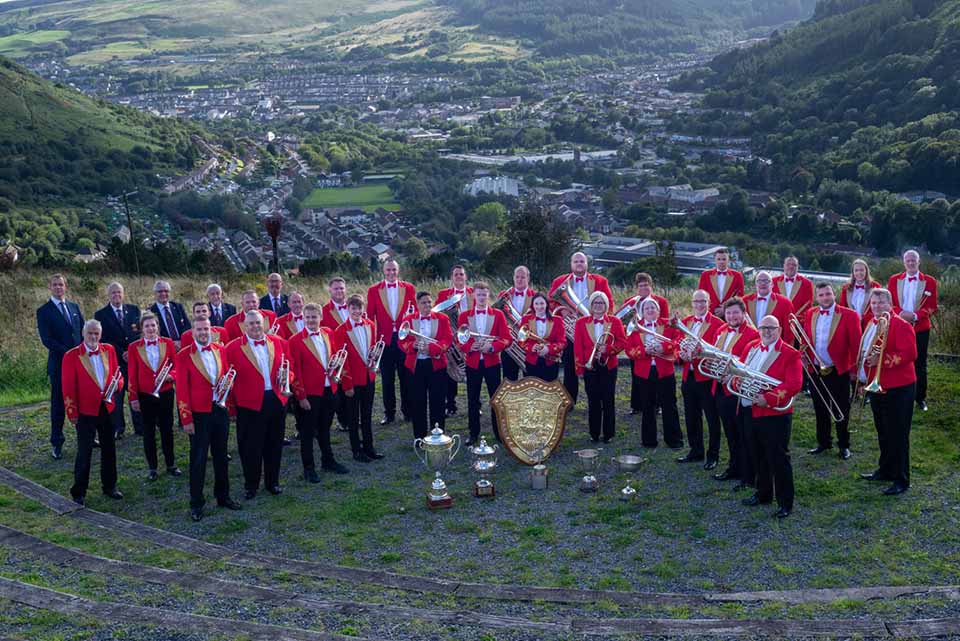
(417, 448)
(456, 437)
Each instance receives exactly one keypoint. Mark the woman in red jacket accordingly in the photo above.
(546, 340)
(597, 363)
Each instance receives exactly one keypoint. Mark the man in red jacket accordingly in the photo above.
(798, 289)
(359, 379)
(488, 337)
(200, 367)
(259, 395)
(88, 374)
(915, 301)
(248, 303)
(217, 334)
(893, 408)
(721, 282)
(458, 278)
(769, 416)
(387, 303)
(315, 388)
(519, 297)
(427, 363)
(834, 332)
(581, 285)
(765, 301)
(335, 313)
(292, 322)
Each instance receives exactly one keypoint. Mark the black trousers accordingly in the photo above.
(636, 396)
(893, 416)
(727, 412)
(118, 418)
(210, 432)
(698, 402)
(428, 389)
(839, 387)
(342, 411)
(57, 412)
(654, 390)
(746, 446)
(158, 416)
(392, 368)
(315, 424)
(543, 370)
(359, 413)
(489, 374)
(452, 386)
(600, 384)
(570, 379)
(89, 427)
(260, 441)
(774, 471)
(920, 365)
(511, 371)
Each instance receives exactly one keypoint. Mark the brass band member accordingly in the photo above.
(769, 416)
(835, 333)
(336, 312)
(855, 293)
(458, 278)
(311, 352)
(890, 363)
(359, 380)
(765, 301)
(260, 394)
(915, 301)
(426, 343)
(721, 282)
(598, 338)
(90, 376)
(488, 337)
(654, 377)
(734, 338)
(697, 389)
(217, 334)
(796, 288)
(546, 340)
(147, 360)
(520, 296)
(583, 285)
(200, 368)
(387, 303)
(643, 285)
(235, 325)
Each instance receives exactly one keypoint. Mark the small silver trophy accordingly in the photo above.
(538, 473)
(484, 464)
(589, 462)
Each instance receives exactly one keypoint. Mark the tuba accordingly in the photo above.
(222, 389)
(161, 378)
(810, 360)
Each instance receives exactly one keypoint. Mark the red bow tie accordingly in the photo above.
(824, 312)
(911, 278)
(542, 318)
(341, 307)
(425, 318)
(578, 279)
(599, 322)
(698, 319)
(314, 333)
(458, 291)
(259, 343)
(761, 299)
(296, 318)
(358, 325)
(859, 286)
(206, 349)
(721, 273)
(764, 348)
(391, 285)
(97, 351)
(478, 312)
(788, 280)
(150, 343)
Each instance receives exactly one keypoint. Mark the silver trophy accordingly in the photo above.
(589, 462)
(438, 450)
(484, 463)
(538, 473)
(628, 493)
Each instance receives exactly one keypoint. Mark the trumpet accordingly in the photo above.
(749, 383)
(596, 358)
(161, 378)
(375, 354)
(112, 385)
(336, 363)
(283, 375)
(222, 389)
(810, 360)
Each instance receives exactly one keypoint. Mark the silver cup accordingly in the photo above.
(438, 450)
(589, 462)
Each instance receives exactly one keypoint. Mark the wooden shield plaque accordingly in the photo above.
(532, 415)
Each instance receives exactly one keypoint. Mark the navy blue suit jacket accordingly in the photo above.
(226, 310)
(266, 303)
(120, 336)
(179, 318)
(56, 334)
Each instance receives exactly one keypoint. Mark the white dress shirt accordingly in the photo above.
(721, 281)
(754, 361)
(343, 313)
(463, 300)
(597, 327)
(788, 287)
(482, 321)
(153, 353)
(324, 356)
(822, 339)
(299, 323)
(868, 336)
(262, 352)
(426, 327)
(517, 300)
(762, 306)
(210, 363)
(856, 298)
(392, 298)
(909, 292)
(541, 328)
(730, 336)
(97, 363)
(652, 326)
(580, 289)
(360, 332)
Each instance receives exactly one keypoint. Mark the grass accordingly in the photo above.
(367, 197)
(21, 44)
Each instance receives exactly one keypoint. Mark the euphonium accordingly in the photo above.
(161, 378)
(713, 361)
(879, 347)
(748, 383)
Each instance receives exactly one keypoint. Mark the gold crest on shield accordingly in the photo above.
(532, 415)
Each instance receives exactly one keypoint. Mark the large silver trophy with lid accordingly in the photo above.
(438, 450)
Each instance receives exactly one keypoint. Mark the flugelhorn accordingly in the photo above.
(161, 378)
(222, 389)
(464, 335)
(596, 358)
(811, 361)
(406, 330)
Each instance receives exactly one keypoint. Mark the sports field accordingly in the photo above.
(367, 197)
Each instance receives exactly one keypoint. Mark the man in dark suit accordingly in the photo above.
(173, 318)
(275, 301)
(121, 326)
(219, 310)
(60, 325)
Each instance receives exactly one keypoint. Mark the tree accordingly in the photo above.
(535, 238)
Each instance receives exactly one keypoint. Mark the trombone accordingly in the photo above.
(161, 378)
(811, 361)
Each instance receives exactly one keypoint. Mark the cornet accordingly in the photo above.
(112, 386)
(336, 364)
(810, 360)
(283, 375)
(376, 353)
(222, 389)
(161, 378)
(275, 328)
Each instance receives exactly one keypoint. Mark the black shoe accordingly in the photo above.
(229, 504)
(873, 476)
(296, 437)
(276, 490)
(363, 458)
(844, 453)
(96, 444)
(152, 475)
(174, 471)
(451, 411)
(724, 476)
(311, 476)
(196, 514)
(922, 405)
(335, 467)
(782, 513)
(895, 489)
(751, 501)
(287, 442)
(78, 500)
(57, 452)
(373, 455)
(607, 439)
(113, 494)
(250, 495)
(710, 464)
(689, 458)
(387, 420)
(229, 457)
(819, 450)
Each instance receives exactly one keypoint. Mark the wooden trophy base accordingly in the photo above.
(482, 491)
(439, 504)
